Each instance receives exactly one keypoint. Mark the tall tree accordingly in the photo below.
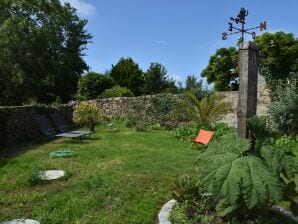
(156, 79)
(278, 56)
(42, 44)
(222, 69)
(127, 73)
(94, 84)
(195, 87)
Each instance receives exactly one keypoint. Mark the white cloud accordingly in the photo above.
(84, 8)
(159, 41)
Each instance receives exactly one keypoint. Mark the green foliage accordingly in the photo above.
(206, 111)
(166, 110)
(118, 91)
(86, 113)
(278, 53)
(287, 142)
(156, 79)
(93, 85)
(41, 57)
(127, 73)
(194, 204)
(240, 180)
(283, 108)
(195, 87)
(222, 69)
(191, 131)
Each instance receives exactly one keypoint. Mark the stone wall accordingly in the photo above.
(263, 100)
(18, 124)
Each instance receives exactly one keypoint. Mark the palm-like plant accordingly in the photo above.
(208, 110)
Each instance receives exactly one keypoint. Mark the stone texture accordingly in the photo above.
(20, 125)
(164, 214)
(248, 79)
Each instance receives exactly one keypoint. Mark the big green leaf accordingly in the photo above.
(228, 172)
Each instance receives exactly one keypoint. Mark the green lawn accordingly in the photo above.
(117, 177)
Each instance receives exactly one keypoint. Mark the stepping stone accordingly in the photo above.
(62, 153)
(22, 221)
(51, 174)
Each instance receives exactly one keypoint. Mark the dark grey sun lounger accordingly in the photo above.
(45, 125)
(48, 129)
(62, 128)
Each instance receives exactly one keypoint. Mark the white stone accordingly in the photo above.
(22, 221)
(51, 174)
(164, 214)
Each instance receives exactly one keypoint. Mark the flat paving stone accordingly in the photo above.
(22, 221)
(164, 214)
(51, 174)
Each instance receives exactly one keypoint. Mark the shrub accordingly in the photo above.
(194, 204)
(93, 84)
(283, 108)
(247, 181)
(206, 111)
(286, 142)
(117, 91)
(87, 114)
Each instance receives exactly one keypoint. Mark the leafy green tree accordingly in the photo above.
(194, 86)
(94, 84)
(156, 79)
(278, 56)
(222, 69)
(127, 74)
(42, 45)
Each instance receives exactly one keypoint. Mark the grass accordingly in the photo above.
(117, 177)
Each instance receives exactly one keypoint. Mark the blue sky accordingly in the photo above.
(180, 34)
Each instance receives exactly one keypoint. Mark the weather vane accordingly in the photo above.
(241, 19)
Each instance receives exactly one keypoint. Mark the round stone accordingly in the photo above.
(51, 174)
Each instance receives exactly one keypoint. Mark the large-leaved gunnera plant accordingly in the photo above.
(237, 177)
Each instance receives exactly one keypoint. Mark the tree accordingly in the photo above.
(194, 86)
(94, 84)
(278, 56)
(42, 45)
(222, 69)
(127, 74)
(156, 79)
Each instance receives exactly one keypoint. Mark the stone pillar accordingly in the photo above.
(248, 79)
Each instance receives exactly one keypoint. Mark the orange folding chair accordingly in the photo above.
(203, 137)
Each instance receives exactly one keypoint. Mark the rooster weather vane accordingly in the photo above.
(241, 19)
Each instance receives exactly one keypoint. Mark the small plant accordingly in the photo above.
(87, 113)
(117, 91)
(195, 205)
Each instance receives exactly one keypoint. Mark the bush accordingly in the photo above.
(87, 114)
(117, 91)
(283, 108)
(206, 111)
(194, 204)
(247, 181)
(93, 84)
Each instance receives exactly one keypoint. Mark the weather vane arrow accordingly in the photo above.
(241, 19)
